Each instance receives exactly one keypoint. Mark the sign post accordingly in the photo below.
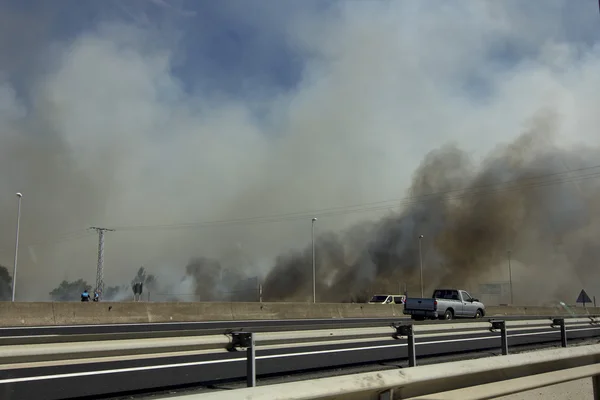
(583, 298)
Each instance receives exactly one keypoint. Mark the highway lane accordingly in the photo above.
(207, 327)
(58, 333)
(78, 378)
(341, 371)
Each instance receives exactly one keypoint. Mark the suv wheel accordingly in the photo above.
(448, 315)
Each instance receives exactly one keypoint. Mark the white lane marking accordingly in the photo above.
(312, 353)
(207, 362)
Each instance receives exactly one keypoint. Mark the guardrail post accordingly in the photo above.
(246, 340)
(251, 363)
(407, 330)
(560, 322)
(501, 325)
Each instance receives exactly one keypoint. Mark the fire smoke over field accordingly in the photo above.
(207, 133)
(548, 218)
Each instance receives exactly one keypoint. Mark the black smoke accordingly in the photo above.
(521, 198)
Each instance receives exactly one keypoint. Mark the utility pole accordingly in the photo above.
(312, 236)
(421, 262)
(100, 268)
(510, 278)
(14, 278)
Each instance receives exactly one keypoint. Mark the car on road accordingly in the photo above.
(387, 299)
(444, 304)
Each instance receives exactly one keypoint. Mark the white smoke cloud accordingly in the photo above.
(114, 138)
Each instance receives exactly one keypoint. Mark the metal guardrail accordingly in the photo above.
(479, 379)
(410, 331)
(250, 341)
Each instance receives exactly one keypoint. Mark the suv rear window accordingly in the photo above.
(446, 294)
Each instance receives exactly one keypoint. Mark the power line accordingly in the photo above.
(354, 209)
(384, 205)
(487, 189)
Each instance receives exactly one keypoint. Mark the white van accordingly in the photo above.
(388, 299)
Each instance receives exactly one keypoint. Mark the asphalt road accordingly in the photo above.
(355, 369)
(82, 333)
(205, 327)
(93, 377)
(74, 333)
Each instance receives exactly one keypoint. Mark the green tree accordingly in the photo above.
(5, 284)
(148, 280)
(70, 291)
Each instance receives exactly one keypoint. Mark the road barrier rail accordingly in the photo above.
(236, 340)
(55, 334)
(479, 379)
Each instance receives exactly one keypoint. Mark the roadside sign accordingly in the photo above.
(583, 298)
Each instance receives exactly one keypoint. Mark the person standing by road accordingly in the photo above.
(85, 296)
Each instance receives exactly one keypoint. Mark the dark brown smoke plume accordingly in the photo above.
(522, 198)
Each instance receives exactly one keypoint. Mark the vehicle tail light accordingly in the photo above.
(435, 303)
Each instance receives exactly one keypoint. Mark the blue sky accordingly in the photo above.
(221, 45)
(234, 46)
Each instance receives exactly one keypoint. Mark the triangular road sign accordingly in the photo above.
(583, 297)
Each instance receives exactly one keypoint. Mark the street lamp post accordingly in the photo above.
(510, 278)
(421, 262)
(313, 260)
(14, 278)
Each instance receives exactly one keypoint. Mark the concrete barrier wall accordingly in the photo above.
(29, 314)
(26, 314)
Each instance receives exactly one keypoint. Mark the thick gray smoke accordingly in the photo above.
(100, 127)
(547, 217)
(214, 282)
